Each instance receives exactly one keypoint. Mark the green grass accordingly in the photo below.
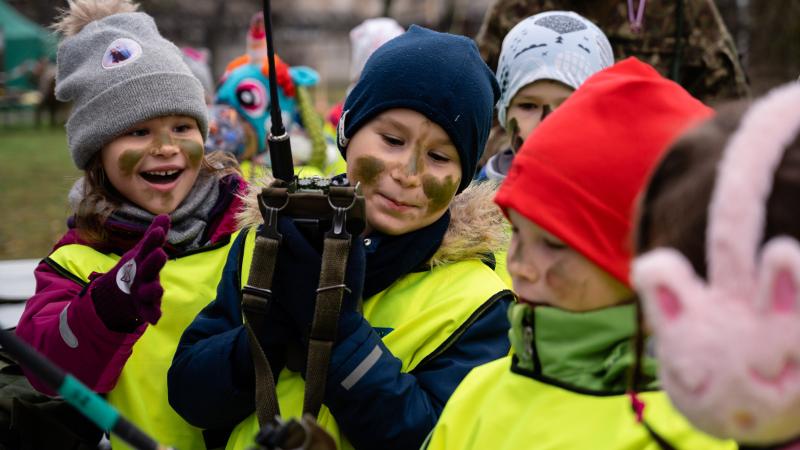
(36, 172)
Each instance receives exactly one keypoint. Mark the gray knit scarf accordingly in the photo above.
(189, 220)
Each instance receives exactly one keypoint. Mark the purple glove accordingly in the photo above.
(130, 293)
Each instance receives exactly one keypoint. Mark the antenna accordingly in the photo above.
(280, 149)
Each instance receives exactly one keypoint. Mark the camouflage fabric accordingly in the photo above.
(30, 420)
(707, 65)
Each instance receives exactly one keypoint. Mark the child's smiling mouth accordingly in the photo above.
(396, 205)
(161, 176)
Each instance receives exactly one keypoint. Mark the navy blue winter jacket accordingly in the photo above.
(211, 379)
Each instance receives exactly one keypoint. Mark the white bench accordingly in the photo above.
(17, 285)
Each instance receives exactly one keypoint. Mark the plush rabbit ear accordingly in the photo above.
(668, 285)
(737, 210)
(779, 277)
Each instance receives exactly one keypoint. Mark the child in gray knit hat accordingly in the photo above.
(153, 216)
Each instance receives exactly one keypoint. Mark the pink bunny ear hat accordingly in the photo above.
(729, 347)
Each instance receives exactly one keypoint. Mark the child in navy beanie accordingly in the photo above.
(459, 94)
(431, 308)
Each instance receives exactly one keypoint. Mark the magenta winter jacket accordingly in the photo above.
(102, 353)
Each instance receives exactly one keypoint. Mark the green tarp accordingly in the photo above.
(23, 41)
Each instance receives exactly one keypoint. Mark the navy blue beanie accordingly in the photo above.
(439, 75)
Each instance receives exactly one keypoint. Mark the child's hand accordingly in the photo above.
(130, 293)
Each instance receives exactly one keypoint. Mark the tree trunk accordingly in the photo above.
(774, 35)
(387, 8)
(212, 38)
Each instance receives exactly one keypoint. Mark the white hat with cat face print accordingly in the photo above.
(556, 45)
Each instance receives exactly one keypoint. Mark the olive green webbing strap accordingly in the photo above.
(256, 297)
(326, 318)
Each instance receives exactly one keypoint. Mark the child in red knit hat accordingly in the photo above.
(569, 196)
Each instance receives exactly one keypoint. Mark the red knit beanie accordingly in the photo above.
(578, 174)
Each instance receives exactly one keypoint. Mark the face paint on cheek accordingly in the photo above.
(129, 159)
(193, 150)
(555, 276)
(367, 169)
(562, 280)
(440, 192)
(416, 163)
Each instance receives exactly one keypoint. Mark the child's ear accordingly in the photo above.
(304, 76)
(667, 284)
(779, 277)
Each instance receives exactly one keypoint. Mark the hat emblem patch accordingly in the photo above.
(343, 140)
(121, 52)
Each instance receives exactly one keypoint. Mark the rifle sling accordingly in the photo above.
(256, 298)
(326, 319)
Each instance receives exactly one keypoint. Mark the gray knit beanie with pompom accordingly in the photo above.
(118, 71)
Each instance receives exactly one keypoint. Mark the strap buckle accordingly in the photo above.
(338, 224)
(265, 294)
(256, 300)
(267, 204)
(335, 286)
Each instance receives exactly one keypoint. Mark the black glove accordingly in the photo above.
(296, 280)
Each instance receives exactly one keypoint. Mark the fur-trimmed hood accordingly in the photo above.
(477, 227)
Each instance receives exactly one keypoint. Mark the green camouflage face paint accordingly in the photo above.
(440, 192)
(416, 163)
(513, 131)
(129, 159)
(192, 149)
(367, 169)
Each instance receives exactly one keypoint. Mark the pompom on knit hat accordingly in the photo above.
(118, 71)
(561, 46)
(367, 37)
(439, 75)
(579, 173)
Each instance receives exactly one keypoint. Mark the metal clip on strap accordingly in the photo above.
(338, 226)
(271, 224)
(269, 211)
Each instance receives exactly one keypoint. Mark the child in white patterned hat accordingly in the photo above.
(543, 60)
